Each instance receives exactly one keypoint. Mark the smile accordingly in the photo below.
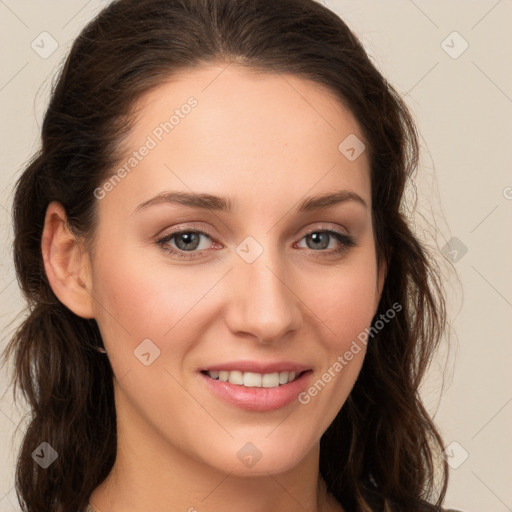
(255, 386)
(252, 379)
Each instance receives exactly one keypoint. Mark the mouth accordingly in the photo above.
(256, 386)
(253, 379)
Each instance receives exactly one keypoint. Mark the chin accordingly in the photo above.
(259, 455)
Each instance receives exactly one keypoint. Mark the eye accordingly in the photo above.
(185, 241)
(319, 240)
(192, 243)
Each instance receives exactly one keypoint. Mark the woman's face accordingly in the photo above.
(267, 277)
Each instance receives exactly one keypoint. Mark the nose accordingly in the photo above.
(263, 303)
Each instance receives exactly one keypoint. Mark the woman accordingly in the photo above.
(227, 306)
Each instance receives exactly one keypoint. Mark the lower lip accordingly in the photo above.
(258, 399)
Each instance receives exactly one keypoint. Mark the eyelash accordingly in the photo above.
(345, 240)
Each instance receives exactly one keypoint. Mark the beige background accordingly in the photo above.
(463, 106)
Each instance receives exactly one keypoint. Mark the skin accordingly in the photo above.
(267, 142)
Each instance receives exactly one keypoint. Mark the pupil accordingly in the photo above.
(189, 238)
(316, 238)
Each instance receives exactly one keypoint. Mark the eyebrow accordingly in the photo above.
(224, 204)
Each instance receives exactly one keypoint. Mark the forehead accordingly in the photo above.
(221, 127)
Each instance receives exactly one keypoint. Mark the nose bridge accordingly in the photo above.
(263, 303)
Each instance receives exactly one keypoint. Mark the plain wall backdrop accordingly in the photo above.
(452, 62)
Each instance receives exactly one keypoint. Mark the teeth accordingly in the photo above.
(236, 378)
(270, 380)
(253, 380)
(283, 377)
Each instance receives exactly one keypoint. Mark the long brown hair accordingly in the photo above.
(381, 452)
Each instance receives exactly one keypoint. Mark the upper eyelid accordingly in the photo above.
(186, 229)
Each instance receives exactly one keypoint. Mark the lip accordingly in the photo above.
(253, 398)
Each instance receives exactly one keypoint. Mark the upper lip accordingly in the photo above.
(258, 367)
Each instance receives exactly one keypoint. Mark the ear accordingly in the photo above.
(66, 263)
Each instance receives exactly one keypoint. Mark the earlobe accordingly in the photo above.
(66, 263)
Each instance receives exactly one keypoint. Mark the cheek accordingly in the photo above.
(132, 305)
(345, 306)
(133, 294)
(345, 302)
(354, 308)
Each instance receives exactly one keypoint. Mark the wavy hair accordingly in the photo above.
(381, 451)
